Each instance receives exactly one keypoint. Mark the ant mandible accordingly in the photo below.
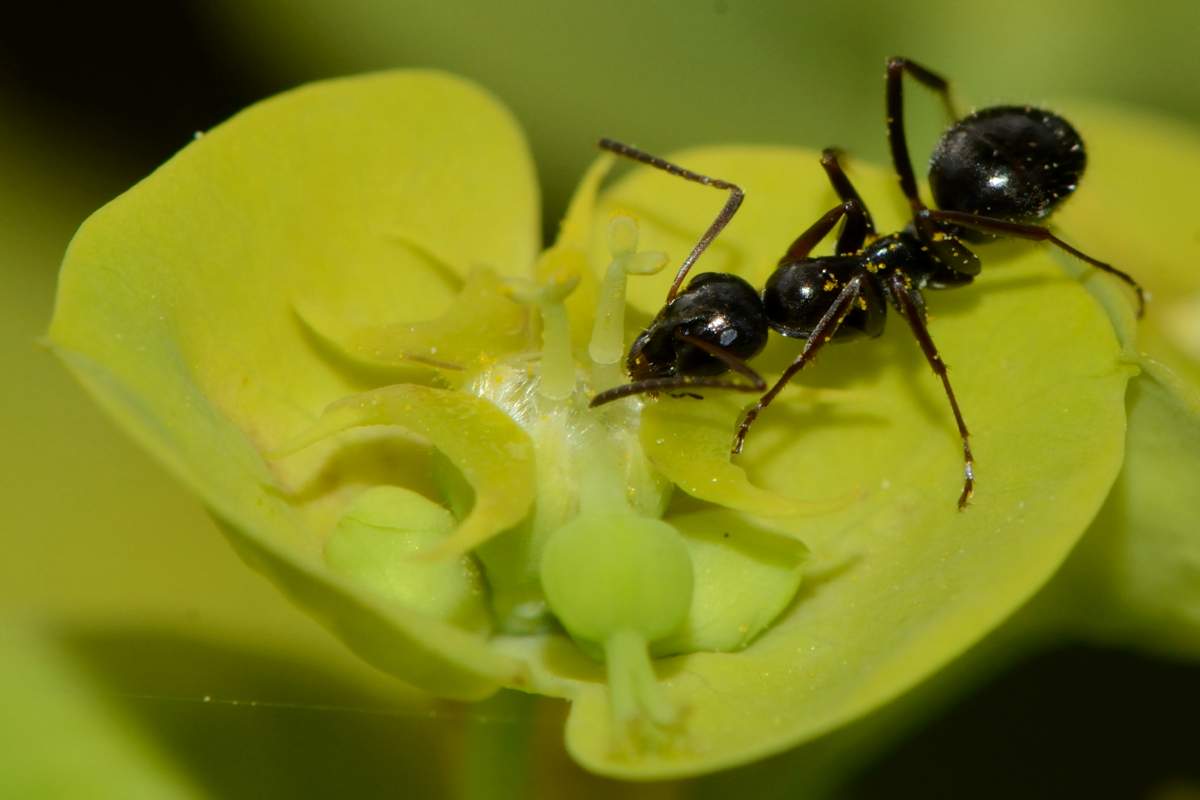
(995, 172)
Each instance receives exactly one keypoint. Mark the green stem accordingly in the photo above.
(498, 748)
(641, 711)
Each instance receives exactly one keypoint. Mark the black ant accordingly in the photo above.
(996, 172)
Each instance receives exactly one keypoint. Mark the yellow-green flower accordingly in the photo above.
(330, 317)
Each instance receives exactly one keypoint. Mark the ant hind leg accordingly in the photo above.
(896, 68)
(1037, 233)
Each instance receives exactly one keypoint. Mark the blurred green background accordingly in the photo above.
(140, 656)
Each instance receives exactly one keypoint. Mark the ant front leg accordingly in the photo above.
(859, 227)
(730, 208)
(859, 224)
(896, 67)
(822, 333)
(812, 236)
(910, 305)
(1038, 234)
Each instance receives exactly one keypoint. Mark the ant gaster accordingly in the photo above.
(996, 172)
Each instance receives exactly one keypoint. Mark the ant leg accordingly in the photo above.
(813, 235)
(718, 224)
(856, 231)
(911, 308)
(858, 220)
(757, 384)
(859, 224)
(673, 382)
(821, 334)
(1038, 234)
(727, 358)
(896, 67)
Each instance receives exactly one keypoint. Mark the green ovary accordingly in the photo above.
(621, 581)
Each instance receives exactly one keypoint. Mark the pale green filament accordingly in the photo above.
(608, 331)
(602, 478)
(557, 370)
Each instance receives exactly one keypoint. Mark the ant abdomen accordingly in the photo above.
(798, 294)
(1014, 163)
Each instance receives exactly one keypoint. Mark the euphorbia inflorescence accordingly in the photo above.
(332, 317)
(593, 554)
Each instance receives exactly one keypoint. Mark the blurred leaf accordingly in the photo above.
(60, 739)
(678, 73)
(1136, 577)
(1153, 163)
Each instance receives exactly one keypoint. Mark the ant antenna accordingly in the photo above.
(757, 384)
(731, 205)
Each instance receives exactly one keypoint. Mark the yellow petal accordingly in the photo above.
(900, 582)
(689, 443)
(174, 307)
(493, 453)
(480, 325)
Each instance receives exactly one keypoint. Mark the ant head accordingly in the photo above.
(718, 309)
(652, 354)
(1012, 162)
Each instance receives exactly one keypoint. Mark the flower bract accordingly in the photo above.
(332, 318)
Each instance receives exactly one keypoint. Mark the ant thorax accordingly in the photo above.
(798, 294)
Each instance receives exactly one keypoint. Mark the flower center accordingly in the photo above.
(588, 461)
(595, 556)
(562, 505)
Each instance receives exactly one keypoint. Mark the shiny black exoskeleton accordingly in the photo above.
(718, 313)
(996, 172)
(1012, 162)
